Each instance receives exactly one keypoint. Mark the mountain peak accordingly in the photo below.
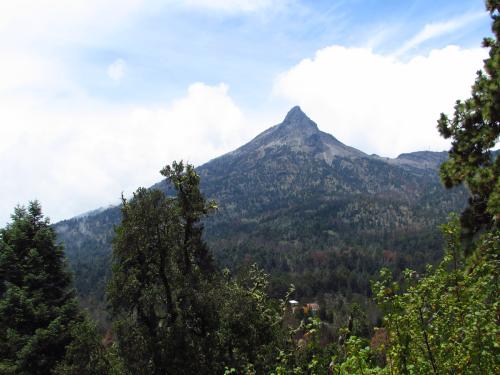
(298, 133)
(295, 112)
(296, 117)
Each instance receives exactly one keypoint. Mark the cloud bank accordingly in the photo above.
(381, 104)
(80, 159)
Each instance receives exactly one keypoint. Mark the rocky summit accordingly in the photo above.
(300, 134)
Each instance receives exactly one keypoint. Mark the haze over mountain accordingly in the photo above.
(298, 201)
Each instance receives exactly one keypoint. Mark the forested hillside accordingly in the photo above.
(308, 209)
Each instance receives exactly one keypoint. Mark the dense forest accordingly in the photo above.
(324, 241)
(173, 309)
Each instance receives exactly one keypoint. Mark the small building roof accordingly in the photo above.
(313, 306)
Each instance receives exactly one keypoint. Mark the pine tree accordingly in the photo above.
(37, 303)
(474, 130)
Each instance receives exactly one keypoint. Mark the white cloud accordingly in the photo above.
(22, 70)
(116, 70)
(82, 158)
(378, 103)
(434, 30)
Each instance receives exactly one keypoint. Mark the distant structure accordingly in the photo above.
(293, 304)
(311, 308)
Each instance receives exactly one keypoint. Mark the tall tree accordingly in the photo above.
(192, 208)
(474, 130)
(159, 292)
(37, 302)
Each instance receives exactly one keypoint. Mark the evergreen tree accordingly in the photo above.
(474, 130)
(37, 303)
(159, 291)
(192, 208)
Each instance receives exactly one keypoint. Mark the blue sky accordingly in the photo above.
(96, 96)
(168, 47)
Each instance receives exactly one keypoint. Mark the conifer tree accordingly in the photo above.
(474, 130)
(37, 303)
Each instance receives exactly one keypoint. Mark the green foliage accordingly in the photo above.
(250, 322)
(474, 130)
(445, 321)
(85, 355)
(37, 303)
(358, 360)
(305, 353)
(441, 322)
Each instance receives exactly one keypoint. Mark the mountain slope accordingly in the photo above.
(299, 202)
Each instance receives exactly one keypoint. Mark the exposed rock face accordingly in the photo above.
(301, 134)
